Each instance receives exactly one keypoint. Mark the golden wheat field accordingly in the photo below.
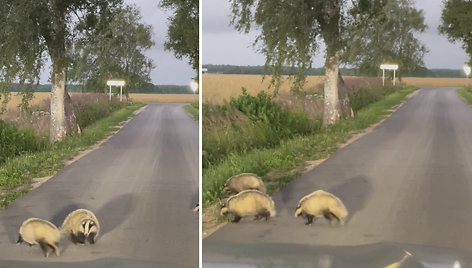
(40, 97)
(437, 82)
(220, 87)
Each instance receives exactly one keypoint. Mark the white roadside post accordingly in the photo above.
(119, 83)
(194, 87)
(384, 67)
(467, 72)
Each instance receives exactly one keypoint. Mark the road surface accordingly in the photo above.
(409, 181)
(142, 185)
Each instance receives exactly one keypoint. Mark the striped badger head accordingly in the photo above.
(224, 209)
(87, 230)
(298, 212)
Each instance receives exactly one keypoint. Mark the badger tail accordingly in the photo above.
(273, 213)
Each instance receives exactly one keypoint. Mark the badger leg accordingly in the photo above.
(310, 219)
(81, 238)
(265, 214)
(45, 248)
(73, 238)
(236, 218)
(55, 248)
(20, 239)
(330, 216)
(91, 237)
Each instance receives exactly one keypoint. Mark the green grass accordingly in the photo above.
(18, 171)
(466, 93)
(14, 141)
(294, 152)
(192, 109)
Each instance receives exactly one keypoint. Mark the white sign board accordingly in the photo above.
(384, 67)
(115, 83)
(118, 83)
(389, 67)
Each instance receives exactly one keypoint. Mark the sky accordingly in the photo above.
(168, 70)
(224, 45)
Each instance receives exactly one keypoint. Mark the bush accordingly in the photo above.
(249, 122)
(91, 107)
(14, 142)
(361, 98)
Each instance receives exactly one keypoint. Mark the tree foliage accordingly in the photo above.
(115, 50)
(456, 23)
(31, 30)
(292, 38)
(183, 31)
(383, 31)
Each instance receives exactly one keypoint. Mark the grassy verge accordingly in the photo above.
(192, 109)
(276, 165)
(19, 171)
(466, 93)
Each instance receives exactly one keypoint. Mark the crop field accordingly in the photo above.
(220, 87)
(40, 97)
(437, 82)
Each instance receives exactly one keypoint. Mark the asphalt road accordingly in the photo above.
(409, 182)
(142, 185)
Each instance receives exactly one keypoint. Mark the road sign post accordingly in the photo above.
(194, 87)
(384, 67)
(467, 73)
(119, 83)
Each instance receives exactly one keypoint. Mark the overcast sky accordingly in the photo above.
(168, 69)
(223, 45)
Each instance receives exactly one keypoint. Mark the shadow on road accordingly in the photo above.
(59, 217)
(12, 223)
(114, 212)
(353, 192)
(194, 200)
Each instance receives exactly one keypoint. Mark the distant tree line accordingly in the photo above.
(148, 88)
(234, 69)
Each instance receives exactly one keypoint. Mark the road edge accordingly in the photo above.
(36, 182)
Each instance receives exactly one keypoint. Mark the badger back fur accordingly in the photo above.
(249, 202)
(245, 181)
(36, 231)
(321, 203)
(82, 225)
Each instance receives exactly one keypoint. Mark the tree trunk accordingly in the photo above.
(331, 111)
(58, 117)
(72, 126)
(346, 108)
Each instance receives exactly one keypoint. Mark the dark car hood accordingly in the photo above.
(391, 255)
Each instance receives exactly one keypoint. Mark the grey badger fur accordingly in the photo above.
(244, 181)
(249, 202)
(320, 203)
(36, 231)
(82, 225)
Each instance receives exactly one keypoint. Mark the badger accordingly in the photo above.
(244, 181)
(321, 203)
(36, 231)
(249, 202)
(82, 225)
